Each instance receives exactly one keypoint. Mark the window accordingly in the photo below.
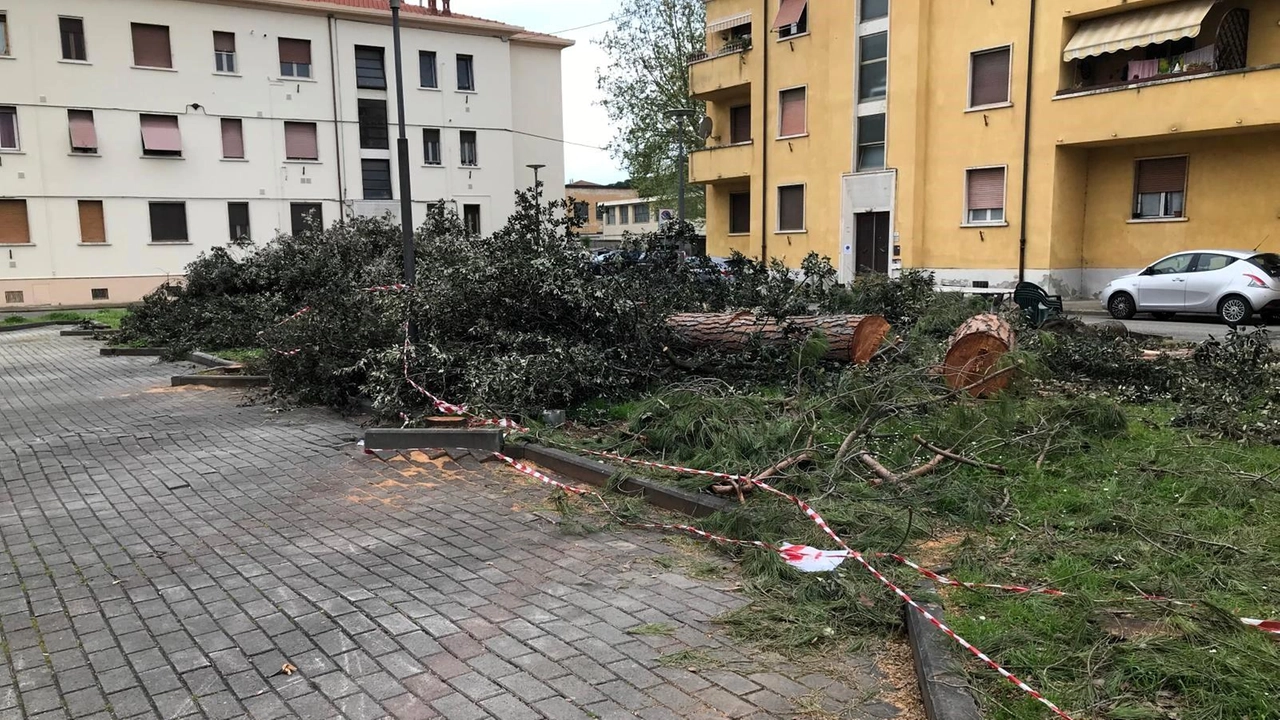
(984, 196)
(93, 227)
(160, 136)
(238, 220)
(374, 130)
(624, 215)
(989, 77)
(295, 58)
(224, 52)
(610, 216)
(376, 176)
(871, 142)
(232, 138)
(739, 213)
(581, 211)
(72, 31)
(300, 141)
(168, 222)
(303, 215)
(1160, 188)
(1208, 262)
(151, 46)
(471, 218)
(873, 79)
(13, 296)
(371, 71)
(84, 137)
(8, 128)
(641, 214)
(470, 156)
(427, 69)
(791, 208)
(99, 294)
(1174, 265)
(431, 146)
(13, 223)
(874, 9)
(466, 72)
(4, 35)
(600, 212)
(740, 124)
(792, 19)
(791, 119)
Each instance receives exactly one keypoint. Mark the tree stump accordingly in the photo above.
(973, 353)
(852, 338)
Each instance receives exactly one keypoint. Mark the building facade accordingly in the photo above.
(586, 200)
(1062, 142)
(136, 134)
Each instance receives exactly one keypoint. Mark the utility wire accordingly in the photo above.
(583, 27)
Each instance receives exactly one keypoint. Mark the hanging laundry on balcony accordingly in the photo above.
(1142, 69)
(1199, 59)
(1137, 28)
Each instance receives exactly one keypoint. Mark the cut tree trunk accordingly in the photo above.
(853, 338)
(973, 353)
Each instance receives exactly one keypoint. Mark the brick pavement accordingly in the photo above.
(166, 551)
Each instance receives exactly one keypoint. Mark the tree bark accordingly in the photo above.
(973, 353)
(853, 338)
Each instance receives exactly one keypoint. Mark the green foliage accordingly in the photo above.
(110, 317)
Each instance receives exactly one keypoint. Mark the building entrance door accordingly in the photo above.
(871, 242)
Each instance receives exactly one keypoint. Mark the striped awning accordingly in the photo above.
(729, 22)
(1128, 30)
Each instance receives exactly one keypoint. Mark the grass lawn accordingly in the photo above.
(1105, 502)
(110, 317)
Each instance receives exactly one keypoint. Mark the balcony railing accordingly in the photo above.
(729, 47)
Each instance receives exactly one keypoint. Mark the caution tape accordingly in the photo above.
(289, 319)
(398, 287)
(1266, 626)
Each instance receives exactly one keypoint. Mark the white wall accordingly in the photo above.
(44, 172)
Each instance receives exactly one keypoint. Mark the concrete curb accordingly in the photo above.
(943, 686)
(130, 352)
(222, 381)
(34, 325)
(418, 438)
(88, 333)
(599, 474)
(207, 360)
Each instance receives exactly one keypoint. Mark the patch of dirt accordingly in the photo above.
(166, 389)
(936, 551)
(902, 687)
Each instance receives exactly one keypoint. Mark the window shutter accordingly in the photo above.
(93, 228)
(295, 51)
(232, 138)
(13, 223)
(739, 213)
(740, 124)
(300, 141)
(224, 42)
(160, 133)
(990, 78)
(8, 127)
(151, 46)
(793, 112)
(986, 189)
(791, 208)
(789, 13)
(1162, 175)
(83, 134)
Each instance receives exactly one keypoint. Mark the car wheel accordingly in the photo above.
(1121, 306)
(1162, 316)
(1234, 310)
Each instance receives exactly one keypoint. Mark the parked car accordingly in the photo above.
(1232, 284)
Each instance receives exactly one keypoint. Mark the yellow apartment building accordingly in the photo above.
(1064, 142)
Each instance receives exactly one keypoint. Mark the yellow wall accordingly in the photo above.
(1232, 202)
(821, 60)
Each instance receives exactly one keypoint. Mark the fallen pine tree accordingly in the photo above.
(850, 338)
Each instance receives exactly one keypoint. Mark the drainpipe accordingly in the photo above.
(1026, 146)
(764, 136)
(337, 119)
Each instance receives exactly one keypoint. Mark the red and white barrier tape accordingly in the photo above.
(289, 319)
(398, 287)
(1266, 626)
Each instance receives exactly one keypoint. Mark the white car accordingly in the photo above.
(1232, 284)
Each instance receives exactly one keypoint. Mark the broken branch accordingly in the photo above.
(957, 458)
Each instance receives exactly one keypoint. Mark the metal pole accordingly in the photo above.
(402, 148)
(684, 161)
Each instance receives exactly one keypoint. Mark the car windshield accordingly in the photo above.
(1268, 262)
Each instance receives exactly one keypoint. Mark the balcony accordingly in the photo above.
(722, 67)
(724, 163)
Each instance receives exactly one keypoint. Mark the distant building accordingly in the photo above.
(586, 199)
(634, 216)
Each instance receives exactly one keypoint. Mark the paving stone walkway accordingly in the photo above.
(165, 552)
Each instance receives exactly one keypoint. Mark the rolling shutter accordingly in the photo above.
(13, 223)
(986, 189)
(1162, 175)
(93, 228)
(990, 81)
(792, 112)
(300, 141)
(151, 46)
(232, 138)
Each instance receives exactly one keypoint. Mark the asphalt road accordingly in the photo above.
(1183, 329)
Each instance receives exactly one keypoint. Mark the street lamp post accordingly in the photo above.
(402, 148)
(679, 115)
(537, 187)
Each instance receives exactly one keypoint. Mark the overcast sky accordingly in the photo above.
(584, 120)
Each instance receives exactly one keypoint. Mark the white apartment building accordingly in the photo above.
(136, 134)
(634, 216)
